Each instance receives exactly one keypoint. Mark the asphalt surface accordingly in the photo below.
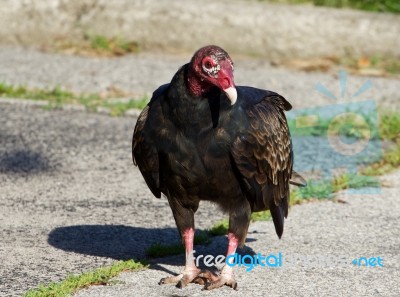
(71, 200)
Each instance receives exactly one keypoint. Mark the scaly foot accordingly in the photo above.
(188, 276)
(226, 278)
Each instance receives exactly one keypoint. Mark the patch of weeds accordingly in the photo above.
(353, 181)
(96, 45)
(219, 228)
(99, 42)
(359, 65)
(389, 162)
(309, 124)
(119, 108)
(114, 46)
(316, 189)
(261, 216)
(370, 65)
(368, 5)
(295, 197)
(73, 283)
(58, 97)
(325, 188)
(392, 6)
(389, 125)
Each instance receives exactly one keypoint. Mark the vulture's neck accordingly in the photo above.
(192, 112)
(195, 85)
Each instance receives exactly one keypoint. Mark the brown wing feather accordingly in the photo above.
(145, 155)
(263, 156)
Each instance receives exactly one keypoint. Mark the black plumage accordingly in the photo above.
(194, 147)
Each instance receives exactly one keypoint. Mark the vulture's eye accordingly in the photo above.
(208, 65)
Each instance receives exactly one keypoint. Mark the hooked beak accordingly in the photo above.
(226, 83)
(232, 94)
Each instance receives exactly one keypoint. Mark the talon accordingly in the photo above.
(221, 281)
(234, 286)
(200, 280)
(201, 277)
(180, 284)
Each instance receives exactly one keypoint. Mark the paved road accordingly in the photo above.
(71, 201)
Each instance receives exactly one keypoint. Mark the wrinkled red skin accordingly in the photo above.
(199, 81)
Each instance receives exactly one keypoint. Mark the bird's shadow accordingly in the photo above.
(122, 242)
(24, 162)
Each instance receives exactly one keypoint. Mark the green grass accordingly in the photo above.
(353, 181)
(117, 46)
(389, 162)
(219, 228)
(261, 216)
(325, 188)
(367, 5)
(381, 65)
(119, 108)
(349, 125)
(389, 125)
(58, 97)
(388, 130)
(73, 283)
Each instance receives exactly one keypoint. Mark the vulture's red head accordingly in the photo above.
(212, 66)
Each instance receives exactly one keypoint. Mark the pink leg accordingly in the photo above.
(226, 277)
(191, 272)
(188, 238)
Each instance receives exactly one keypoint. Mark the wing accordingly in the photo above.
(144, 151)
(263, 156)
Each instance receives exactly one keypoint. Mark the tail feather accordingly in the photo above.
(279, 213)
(297, 180)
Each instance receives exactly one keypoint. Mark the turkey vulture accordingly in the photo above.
(203, 138)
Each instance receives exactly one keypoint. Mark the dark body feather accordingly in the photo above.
(202, 148)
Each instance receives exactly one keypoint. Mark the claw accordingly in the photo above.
(201, 277)
(224, 279)
(220, 283)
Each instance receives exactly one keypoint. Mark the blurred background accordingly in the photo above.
(75, 45)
